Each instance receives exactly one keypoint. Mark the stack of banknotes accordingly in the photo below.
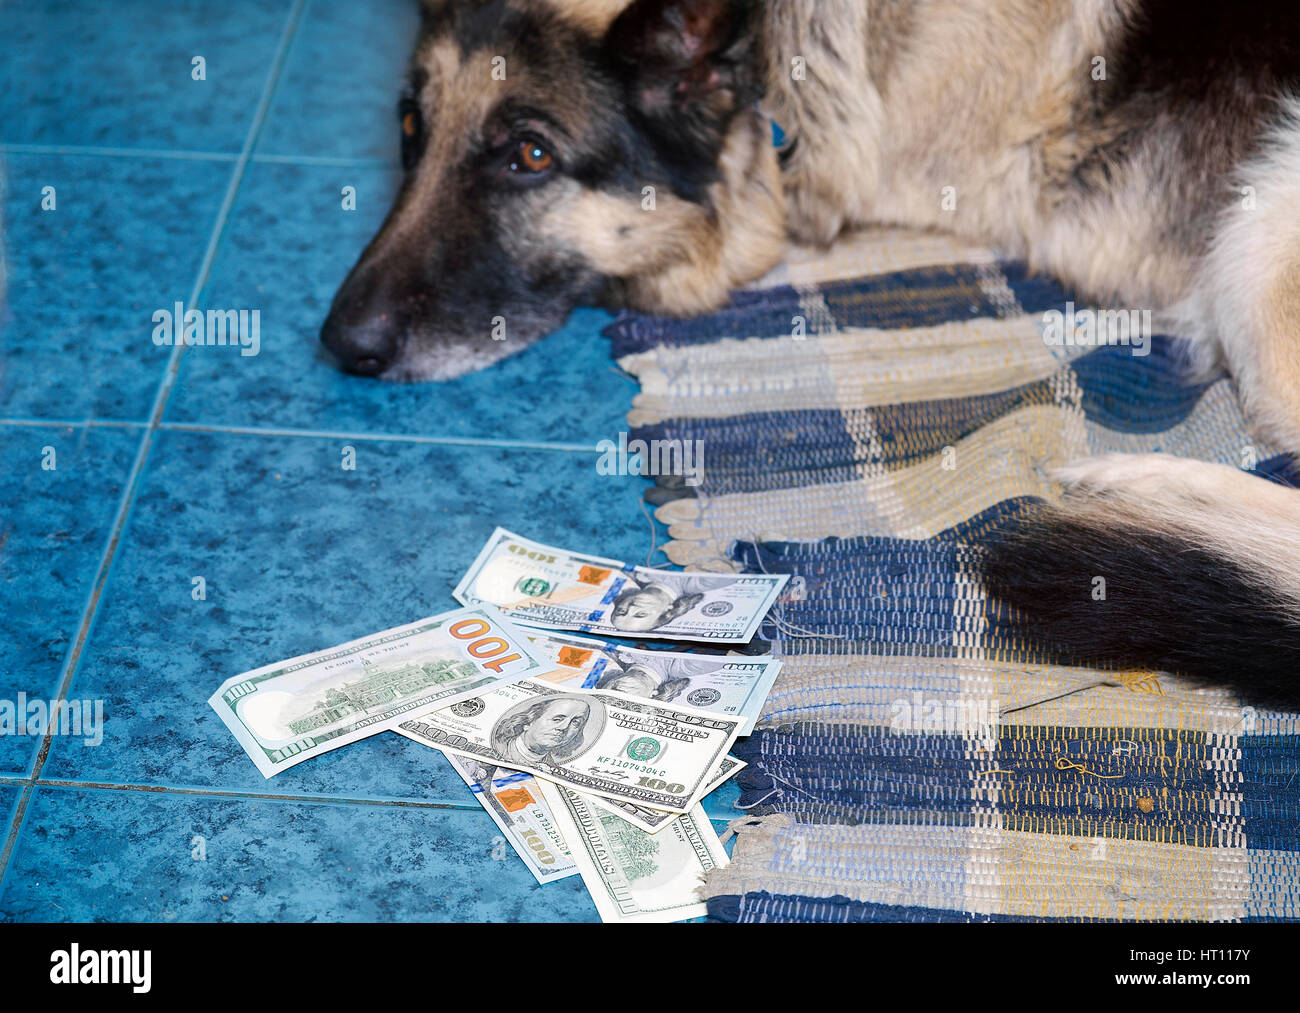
(592, 757)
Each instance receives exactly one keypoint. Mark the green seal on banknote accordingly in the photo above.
(534, 587)
(706, 697)
(643, 749)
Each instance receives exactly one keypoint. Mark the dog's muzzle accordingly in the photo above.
(362, 327)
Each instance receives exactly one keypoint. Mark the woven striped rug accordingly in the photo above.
(867, 415)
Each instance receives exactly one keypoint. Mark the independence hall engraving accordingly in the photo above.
(378, 688)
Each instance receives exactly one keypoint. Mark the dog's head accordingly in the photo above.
(556, 153)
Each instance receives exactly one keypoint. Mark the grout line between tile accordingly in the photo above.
(326, 434)
(262, 796)
(73, 423)
(330, 161)
(177, 154)
(110, 152)
(134, 479)
(256, 796)
(322, 434)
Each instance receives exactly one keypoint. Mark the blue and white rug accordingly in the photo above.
(867, 416)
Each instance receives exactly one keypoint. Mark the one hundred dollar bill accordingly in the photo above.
(542, 586)
(516, 806)
(596, 742)
(654, 820)
(735, 685)
(633, 876)
(293, 710)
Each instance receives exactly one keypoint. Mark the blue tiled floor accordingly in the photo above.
(268, 859)
(80, 73)
(55, 527)
(172, 465)
(126, 237)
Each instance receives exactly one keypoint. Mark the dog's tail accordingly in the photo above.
(1164, 563)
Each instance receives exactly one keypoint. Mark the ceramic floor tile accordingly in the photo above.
(52, 535)
(288, 246)
(297, 555)
(338, 92)
(9, 796)
(296, 552)
(120, 74)
(99, 855)
(125, 238)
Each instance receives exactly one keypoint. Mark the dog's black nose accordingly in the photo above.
(364, 349)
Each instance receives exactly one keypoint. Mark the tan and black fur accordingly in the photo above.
(1145, 151)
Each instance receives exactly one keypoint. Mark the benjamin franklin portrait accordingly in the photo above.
(639, 680)
(647, 604)
(660, 676)
(550, 730)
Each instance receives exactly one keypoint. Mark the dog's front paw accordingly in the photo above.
(814, 208)
(812, 221)
(1272, 405)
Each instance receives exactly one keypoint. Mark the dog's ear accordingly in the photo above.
(690, 66)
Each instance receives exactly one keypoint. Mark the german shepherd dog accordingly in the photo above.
(1145, 151)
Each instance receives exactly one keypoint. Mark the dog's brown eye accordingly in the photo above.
(412, 129)
(530, 157)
